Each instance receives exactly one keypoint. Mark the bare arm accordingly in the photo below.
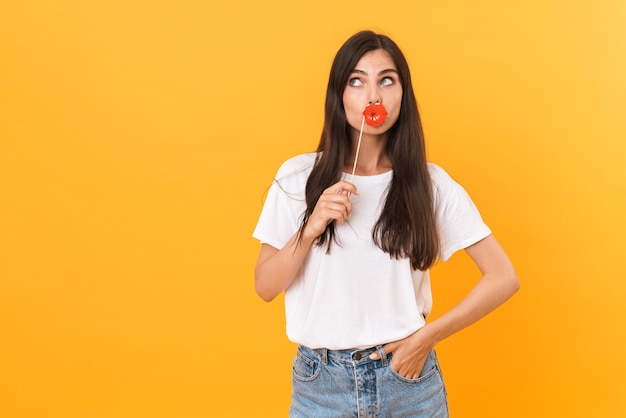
(276, 269)
(498, 283)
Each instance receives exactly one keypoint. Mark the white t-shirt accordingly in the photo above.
(358, 296)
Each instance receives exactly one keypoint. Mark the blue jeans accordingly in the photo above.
(347, 383)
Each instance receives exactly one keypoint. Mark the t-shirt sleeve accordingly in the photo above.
(460, 224)
(282, 210)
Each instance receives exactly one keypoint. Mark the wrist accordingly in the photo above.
(431, 333)
(310, 233)
(307, 237)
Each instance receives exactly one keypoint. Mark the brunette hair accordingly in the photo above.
(407, 225)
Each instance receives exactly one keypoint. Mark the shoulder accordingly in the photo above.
(294, 173)
(302, 163)
(439, 177)
(445, 188)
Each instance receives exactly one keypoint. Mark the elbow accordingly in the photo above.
(514, 283)
(264, 291)
(264, 294)
(517, 284)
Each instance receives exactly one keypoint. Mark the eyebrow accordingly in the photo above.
(386, 71)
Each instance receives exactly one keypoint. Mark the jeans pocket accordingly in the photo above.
(304, 368)
(431, 368)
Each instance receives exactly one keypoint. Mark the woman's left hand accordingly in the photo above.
(409, 354)
(497, 284)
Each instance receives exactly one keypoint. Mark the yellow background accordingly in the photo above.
(137, 140)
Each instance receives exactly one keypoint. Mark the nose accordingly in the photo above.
(374, 95)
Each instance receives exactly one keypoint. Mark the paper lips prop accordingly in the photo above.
(375, 114)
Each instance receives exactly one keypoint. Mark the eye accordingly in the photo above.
(355, 82)
(386, 81)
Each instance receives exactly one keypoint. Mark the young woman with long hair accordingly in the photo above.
(349, 233)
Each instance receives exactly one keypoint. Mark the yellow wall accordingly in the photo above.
(137, 139)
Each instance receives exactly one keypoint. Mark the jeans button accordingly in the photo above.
(358, 356)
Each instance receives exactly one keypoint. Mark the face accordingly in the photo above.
(374, 79)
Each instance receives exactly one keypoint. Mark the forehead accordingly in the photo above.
(375, 61)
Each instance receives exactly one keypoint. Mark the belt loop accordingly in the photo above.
(383, 355)
(324, 355)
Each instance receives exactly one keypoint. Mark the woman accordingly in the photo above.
(352, 251)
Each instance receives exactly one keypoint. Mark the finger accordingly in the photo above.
(338, 213)
(391, 347)
(331, 211)
(350, 188)
(387, 348)
(335, 197)
(415, 374)
(342, 188)
(336, 202)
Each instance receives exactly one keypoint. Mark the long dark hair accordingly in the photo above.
(407, 225)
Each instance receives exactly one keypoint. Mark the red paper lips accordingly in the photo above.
(375, 114)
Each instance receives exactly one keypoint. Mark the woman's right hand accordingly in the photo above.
(276, 268)
(333, 205)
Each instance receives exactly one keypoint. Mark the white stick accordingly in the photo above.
(358, 147)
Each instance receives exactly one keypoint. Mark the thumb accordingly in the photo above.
(386, 348)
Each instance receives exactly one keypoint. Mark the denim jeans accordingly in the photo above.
(347, 383)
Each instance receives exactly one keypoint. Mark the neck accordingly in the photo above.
(372, 158)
